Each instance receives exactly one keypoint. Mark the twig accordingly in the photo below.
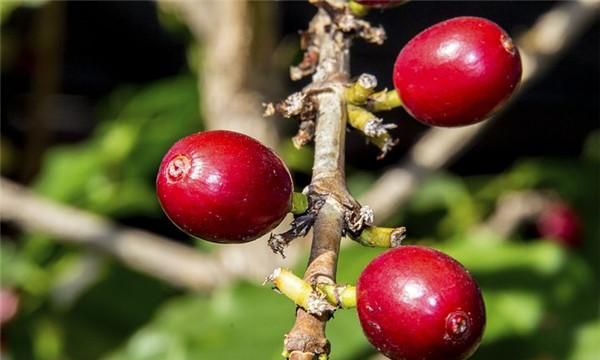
(307, 338)
(513, 209)
(540, 47)
(234, 48)
(146, 252)
(154, 255)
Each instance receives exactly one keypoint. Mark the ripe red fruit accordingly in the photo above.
(561, 224)
(457, 72)
(415, 302)
(223, 187)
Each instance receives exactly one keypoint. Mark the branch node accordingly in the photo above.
(356, 221)
(300, 226)
(305, 134)
(308, 64)
(318, 305)
(293, 105)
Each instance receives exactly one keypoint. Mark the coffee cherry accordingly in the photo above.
(223, 187)
(560, 223)
(457, 72)
(416, 303)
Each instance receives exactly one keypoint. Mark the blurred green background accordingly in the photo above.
(542, 297)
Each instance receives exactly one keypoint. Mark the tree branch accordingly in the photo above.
(146, 252)
(307, 338)
(235, 46)
(154, 255)
(513, 209)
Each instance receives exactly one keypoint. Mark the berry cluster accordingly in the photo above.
(413, 302)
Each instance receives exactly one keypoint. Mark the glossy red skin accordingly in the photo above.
(457, 72)
(232, 189)
(562, 224)
(407, 299)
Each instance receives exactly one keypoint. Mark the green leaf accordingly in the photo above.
(540, 257)
(587, 342)
(110, 311)
(443, 200)
(240, 322)
(296, 159)
(19, 271)
(511, 313)
(113, 173)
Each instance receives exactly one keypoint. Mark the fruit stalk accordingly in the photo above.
(307, 339)
(358, 92)
(300, 292)
(299, 203)
(382, 237)
(384, 100)
(372, 127)
(343, 296)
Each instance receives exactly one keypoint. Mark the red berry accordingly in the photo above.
(223, 186)
(457, 72)
(415, 302)
(9, 305)
(561, 223)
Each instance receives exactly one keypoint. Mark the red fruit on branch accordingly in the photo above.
(457, 72)
(415, 302)
(562, 224)
(223, 187)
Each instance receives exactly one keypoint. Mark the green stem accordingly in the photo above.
(384, 100)
(322, 297)
(343, 296)
(293, 287)
(371, 126)
(359, 91)
(358, 9)
(300, 292)
(299, 203)
(375, 236)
